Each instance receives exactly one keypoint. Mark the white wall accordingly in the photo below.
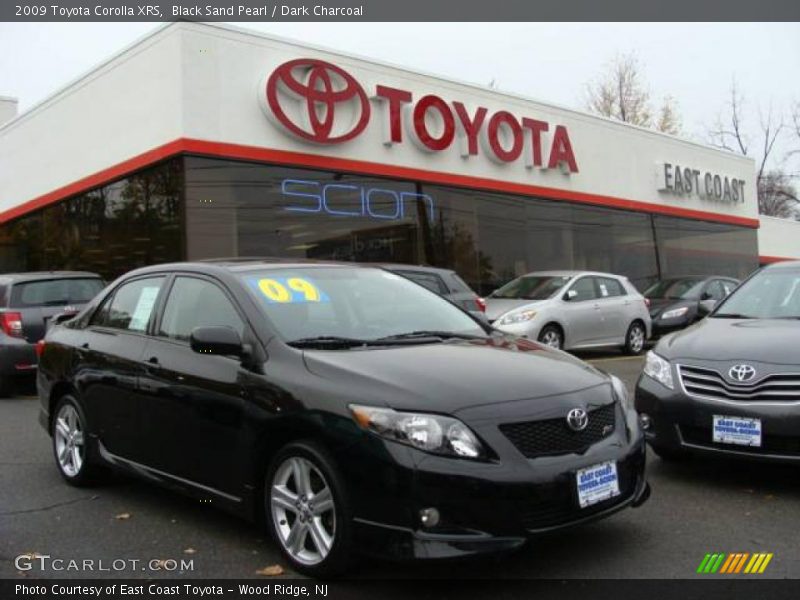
(199, 81)
(779, 238)
(124, 108)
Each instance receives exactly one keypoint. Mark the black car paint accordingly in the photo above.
(682, 423)
(207, 425)
(695, 308)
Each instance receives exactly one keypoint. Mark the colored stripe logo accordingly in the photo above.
(735, 563)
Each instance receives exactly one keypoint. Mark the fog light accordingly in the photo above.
(429, 517)
(645, 421)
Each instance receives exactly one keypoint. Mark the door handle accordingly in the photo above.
(153, 360)
(85, 346)
(597, 307)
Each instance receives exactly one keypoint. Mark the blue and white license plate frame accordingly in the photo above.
(736, 431)
(597, 483)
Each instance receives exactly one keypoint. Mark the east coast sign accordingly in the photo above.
(320, 103)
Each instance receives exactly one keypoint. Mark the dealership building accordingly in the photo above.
(203, 141)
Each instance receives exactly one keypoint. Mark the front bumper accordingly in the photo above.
(491, 507)
(682, 423)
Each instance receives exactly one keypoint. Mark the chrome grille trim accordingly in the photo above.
(709, 384)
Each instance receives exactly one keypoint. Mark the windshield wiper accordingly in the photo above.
(429, 334)
(328, 341)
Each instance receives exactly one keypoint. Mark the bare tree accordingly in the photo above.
(776, 196)
(621, 93)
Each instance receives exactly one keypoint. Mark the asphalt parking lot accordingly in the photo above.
(696, 508)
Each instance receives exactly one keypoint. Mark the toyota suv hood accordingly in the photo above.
(456, 374)
(766, 340)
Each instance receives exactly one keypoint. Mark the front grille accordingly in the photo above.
(770, 443)
(558, 504)
(553, 436)
(708, 383)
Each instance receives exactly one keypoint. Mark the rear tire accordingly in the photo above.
(552, 336)
(635, 338)
(307, 510)
(71, 444)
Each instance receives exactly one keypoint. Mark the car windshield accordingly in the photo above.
(771, 294)
(337, 305)
(55, 292)
(532, 287)
(675, 289)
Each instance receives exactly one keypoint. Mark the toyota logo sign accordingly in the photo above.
(577, 419)
(304, 96)
(741, 373)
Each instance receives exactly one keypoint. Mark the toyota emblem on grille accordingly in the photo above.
(742, 373)
(577, 419)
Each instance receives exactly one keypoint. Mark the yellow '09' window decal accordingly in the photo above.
(288, 290)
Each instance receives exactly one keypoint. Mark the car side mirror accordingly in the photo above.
(222, 341)
(705, 296)
(570, 295)
(706, 306)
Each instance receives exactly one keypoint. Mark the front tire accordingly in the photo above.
(307, 510)
(635, 338)
(70, 444)
(551, 335)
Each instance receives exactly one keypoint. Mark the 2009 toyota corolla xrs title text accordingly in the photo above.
(348, 407)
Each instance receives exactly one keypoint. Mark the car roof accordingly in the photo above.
(406, 267)
(573, 273)
(788, 265)
(240, 264)
(44, 275)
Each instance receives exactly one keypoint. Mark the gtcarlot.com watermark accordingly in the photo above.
(45, 562)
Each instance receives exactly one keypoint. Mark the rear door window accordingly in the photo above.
(54, 292)
(609, 288)
(131, 306)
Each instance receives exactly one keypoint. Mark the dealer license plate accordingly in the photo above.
(737, 430)
(597, 483)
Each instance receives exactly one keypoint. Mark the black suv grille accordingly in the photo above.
(708, 383)
(553, 436)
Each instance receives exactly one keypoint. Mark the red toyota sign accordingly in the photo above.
(319, 102)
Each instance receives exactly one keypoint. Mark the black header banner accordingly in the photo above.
(402, 11)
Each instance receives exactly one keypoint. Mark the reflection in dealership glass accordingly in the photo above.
(572, 309)
(347, 407)
(730, 384)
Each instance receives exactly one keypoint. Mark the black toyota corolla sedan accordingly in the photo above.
(347, 406)
(730, 385)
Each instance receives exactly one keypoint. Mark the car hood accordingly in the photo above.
(457, 374)
(766, 340)
(496, 307)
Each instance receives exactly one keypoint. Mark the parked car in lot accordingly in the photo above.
(678, 302)
(349, 407)
(730, 384)
(444, 282)
(27, 302)
(572, 310)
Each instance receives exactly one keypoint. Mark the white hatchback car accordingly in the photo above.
(572, 309)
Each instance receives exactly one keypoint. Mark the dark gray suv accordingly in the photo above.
(27, 303)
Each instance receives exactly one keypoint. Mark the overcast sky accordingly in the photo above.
(695, 62)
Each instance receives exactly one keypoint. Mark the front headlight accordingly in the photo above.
(432, 433)
(659, 369)
(621, 392)
(675, 312)
(519, 317)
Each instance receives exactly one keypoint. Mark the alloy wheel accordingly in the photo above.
(551, 338)
(69, 441)
(303, 510)
(636, 341)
